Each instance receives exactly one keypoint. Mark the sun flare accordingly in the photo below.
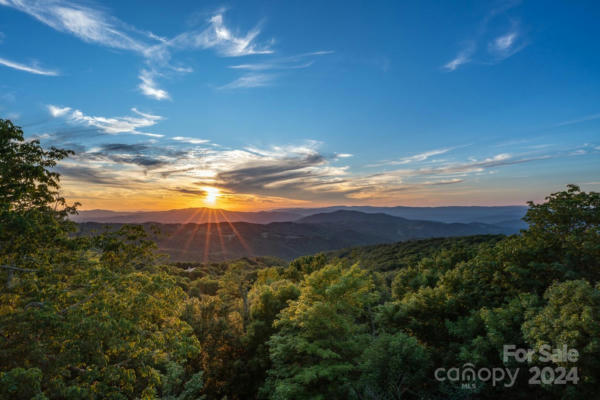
(211, 195)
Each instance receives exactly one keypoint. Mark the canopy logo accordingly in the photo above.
(468, 377)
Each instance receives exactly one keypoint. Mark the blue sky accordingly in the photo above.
(307, 103)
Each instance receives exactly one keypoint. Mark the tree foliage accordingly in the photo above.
(81, 318)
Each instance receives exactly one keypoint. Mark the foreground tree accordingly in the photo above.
(570, 317)
(33, 215)
(394, 367)
(315, 353)
(81, 318)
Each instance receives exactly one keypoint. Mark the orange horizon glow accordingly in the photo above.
(125, 199)
(231, 203)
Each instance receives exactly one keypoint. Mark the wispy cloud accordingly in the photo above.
(147, 156)
(472, 166)
(32, 69)
(504, 42)
(422, 156)
(221, 38)
(443, 182)
(298, 61)
(478, 165)
(579, 120)
(250, 81)
(270, 66)
(506, 45)
(111, 126)
(414, 158)
(260, 73)
(149, 87)
(463, 57)
(499, 46)
(88, 24)
(190, 140)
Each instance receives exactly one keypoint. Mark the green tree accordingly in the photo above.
(33, 215)
(21, 384)
(81, 318)
(269, 295)
(395, 367)
(571, 317)
(568, 227)
(315, 354)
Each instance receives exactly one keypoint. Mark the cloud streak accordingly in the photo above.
(292, 62)
(32, 69)
(190, 140)
(250, 81)
(586, 118)
(260, 74)
(415, 158)
(109, 125)
(498, 160)
(89, 25)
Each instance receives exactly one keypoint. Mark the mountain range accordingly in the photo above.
(219, 241)
(507, 216)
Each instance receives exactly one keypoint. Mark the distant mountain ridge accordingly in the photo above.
(507, 216)
(390, 228)
(464, 214)
(287, 240)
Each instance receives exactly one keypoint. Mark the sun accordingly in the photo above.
(211, 195)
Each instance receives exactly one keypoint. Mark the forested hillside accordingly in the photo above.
(103, 317)
(289, 240)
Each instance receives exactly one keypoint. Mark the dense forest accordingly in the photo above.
(106, 317)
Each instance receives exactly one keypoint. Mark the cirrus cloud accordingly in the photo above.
(32, 69)
(110, 125)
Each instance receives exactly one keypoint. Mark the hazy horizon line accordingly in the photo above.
(299, 208)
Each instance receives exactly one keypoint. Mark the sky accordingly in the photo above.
(263, 104)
